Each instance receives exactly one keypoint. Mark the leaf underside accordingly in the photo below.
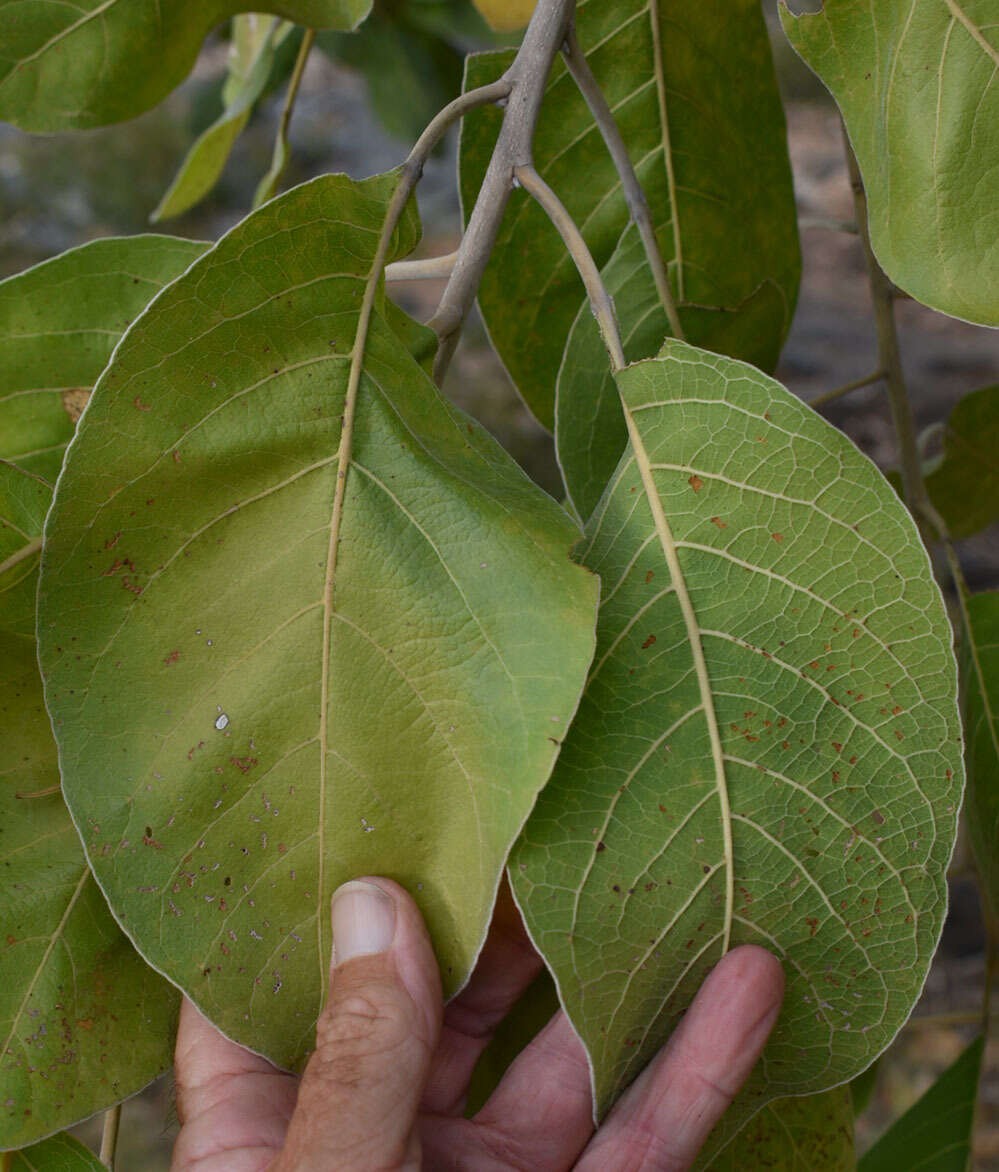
(60, 1153)
(84, 1022)
(244, 724)
(714, 169)
(915, 81)
(767, 750)
(59, 322)
(69, 67)
(806, 1133)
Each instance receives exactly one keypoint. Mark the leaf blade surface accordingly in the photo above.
(815, 813)
(914, 80)
(448, 639)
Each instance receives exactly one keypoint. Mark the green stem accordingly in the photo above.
(838, 392)
(109, 1136)
(890, 363)
(279, 161)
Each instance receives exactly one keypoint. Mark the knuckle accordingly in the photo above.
(359, 1028)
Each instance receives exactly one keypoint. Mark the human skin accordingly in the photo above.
(385, 1089)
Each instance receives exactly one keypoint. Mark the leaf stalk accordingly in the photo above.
(279, 162)
(109, 1136)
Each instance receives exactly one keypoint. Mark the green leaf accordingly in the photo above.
(251, 60)
(915, 81)
(810, 1133)
(60, 1153)
(862, 1088)
(768, 748)
(964, 485)
(982, 730)
(693, 91)
(934, 1135)
(69, 67)
(411, 72)
(244, 724)
(59, 322)
(84, 1022)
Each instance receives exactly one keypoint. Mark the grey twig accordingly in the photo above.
(526, 79)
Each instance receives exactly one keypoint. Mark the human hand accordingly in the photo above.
(384, 1090)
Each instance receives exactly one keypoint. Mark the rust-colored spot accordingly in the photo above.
(176, 456)
(898, 733)
(777, 536)
(148, 840)
(112, 541)
(695, 482)
(814, 665)
(172, 657)
(243, 764)
(85, 1023)
(73, 402)
(11, 939)
(837, 746)
(139, 405)
(719, 522)
(648, 577)
(896, 710)
(601, 846)
(813, 925)
(648, 642)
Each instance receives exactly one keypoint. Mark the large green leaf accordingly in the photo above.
(693, 91)
(768, 748)
(934, 1135)
(244, 722)
(61, 1153)
(915, 80)
(982, 676)
(251, 59)
(59, 322)
(964, 485)
(68, 67)
(807, 1133)
(83, 1020)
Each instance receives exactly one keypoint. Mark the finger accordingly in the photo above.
(361, 1090)
(665, 1117)
(233, 1105)
(506, 967)
(541, 1114)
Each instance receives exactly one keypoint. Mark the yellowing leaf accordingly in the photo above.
(506, 15)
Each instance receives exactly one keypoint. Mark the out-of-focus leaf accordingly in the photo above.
(807, 1133)
(981, 662)
(862, 1088)
(934, 1135)
(59, 322)
(411, 72)
(84, 1022)
(68, 67)
(915, 80)
(768, 749)
(506, 15)
(693, 90)
(60, 1153)
(964, 485)
(275, 696)
(251, 60)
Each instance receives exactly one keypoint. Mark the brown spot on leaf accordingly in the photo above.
(695, 482)
(719, 522)
(73, 402)
(243, 764)
(813, 925)
(777, 536)
(172, 657)
(648, 577)
(139, 405)
(648, 642)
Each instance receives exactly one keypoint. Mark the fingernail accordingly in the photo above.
(363, 921)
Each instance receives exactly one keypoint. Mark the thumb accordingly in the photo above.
(359, 1096)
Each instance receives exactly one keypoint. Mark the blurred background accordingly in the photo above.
(59, 191)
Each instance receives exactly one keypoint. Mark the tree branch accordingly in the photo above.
(526, 78)
(638, 205)
(109, 1135)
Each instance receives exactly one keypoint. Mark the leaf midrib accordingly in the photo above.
(669, 549)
